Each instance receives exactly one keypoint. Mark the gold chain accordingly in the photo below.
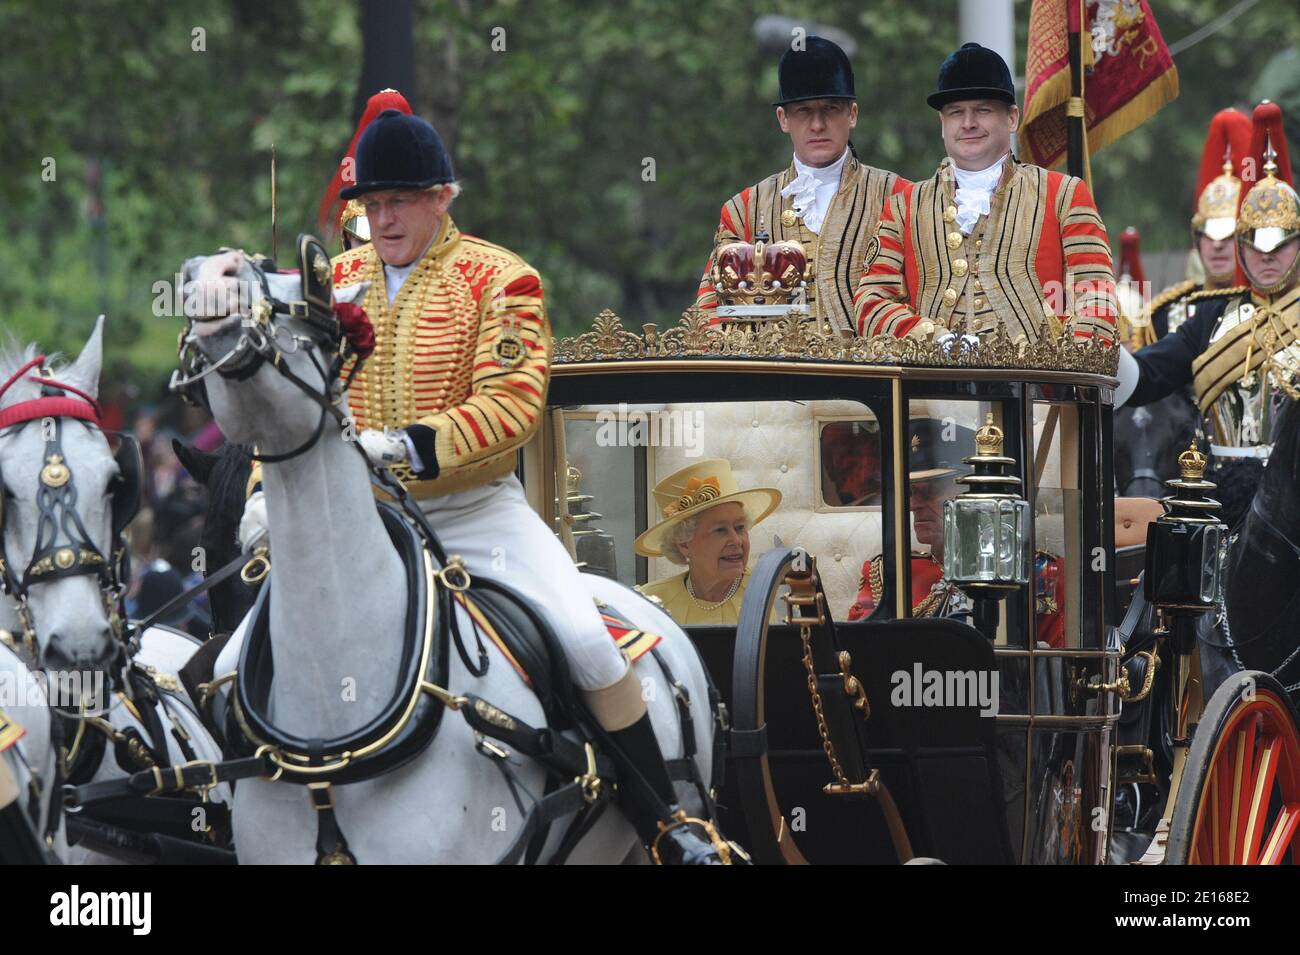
(827, 746)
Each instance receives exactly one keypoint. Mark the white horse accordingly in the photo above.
(338, 597)
(68, 639)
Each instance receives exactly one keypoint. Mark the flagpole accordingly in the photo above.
(1076, 143)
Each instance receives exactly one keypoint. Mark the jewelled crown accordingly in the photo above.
(759, 272)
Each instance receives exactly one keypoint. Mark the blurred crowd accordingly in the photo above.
(164, 537)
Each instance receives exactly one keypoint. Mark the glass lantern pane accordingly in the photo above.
(1210, 562)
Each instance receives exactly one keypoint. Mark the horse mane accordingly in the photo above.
(226, 485)
(13, 355)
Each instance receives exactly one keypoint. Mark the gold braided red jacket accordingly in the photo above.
(835, 255)
(1040, 253)
(434, 362)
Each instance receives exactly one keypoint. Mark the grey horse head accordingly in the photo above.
(222, 292)
(69, 614)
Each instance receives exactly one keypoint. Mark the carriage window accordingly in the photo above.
(682, 500)
(848, 461)
(1058, 516)
(941, 436)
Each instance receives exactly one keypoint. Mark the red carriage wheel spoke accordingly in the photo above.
(1254, 768)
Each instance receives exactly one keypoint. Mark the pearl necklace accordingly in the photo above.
(703, 605)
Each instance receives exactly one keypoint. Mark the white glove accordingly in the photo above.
(1129, 373)
(252, 526)
(384, 448)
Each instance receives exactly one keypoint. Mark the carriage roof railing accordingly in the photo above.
(795, 339)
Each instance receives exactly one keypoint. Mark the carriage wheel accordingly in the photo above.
(1239, 799)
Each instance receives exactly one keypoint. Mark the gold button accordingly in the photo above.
(950, 214)
(950, 297)
(788, 218)
(979, 303)
(959, 267)
(979, 243)
(979, 287)
(923, 329)
(954, 240)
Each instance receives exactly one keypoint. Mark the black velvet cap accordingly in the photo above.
(930, 456)
(399, 152)
(819, 71)
(973, 72)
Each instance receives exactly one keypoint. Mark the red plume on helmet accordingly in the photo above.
(1227, 140)
(1130, 256)
(331, 207)
(1267, 127)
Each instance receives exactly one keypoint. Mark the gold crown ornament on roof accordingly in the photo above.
(988, 439)
(761, 272)
(1191, 463)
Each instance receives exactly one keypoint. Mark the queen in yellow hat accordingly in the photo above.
(706, 517)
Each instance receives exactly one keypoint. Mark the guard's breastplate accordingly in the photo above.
(1240, 421)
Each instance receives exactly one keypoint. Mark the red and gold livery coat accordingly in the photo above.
(1040, 252)
(464, 350)
(835, 255)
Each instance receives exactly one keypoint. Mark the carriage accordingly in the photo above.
(1064, 718)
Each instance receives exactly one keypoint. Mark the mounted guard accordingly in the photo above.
(1238, 350)
(1214, 224)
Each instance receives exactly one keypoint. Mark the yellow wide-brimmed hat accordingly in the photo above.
(695, 489)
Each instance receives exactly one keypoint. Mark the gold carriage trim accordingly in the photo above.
(792, 338)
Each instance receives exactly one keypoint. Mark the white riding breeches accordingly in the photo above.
(501, 537)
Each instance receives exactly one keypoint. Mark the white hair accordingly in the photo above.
(681, 533)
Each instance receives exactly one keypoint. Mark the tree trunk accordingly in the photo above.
(387, 50)
(440, 76)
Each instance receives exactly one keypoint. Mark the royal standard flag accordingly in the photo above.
(1129, 73)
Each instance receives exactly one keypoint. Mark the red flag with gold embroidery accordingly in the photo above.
(1129, 73)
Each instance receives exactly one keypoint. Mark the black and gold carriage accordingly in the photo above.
(1039, 718)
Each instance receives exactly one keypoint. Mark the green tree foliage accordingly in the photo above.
(552, 136)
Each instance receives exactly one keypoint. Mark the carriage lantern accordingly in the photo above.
(984, 527)
(1185, 546)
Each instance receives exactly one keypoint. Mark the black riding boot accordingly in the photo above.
(681, 845)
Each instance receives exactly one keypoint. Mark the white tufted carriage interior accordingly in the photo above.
(774, 444)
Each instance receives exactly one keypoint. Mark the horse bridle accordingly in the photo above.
(260, 343)
(63, 546)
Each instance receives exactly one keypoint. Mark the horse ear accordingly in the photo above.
(84, 372)
(352, 294)
(198, 463)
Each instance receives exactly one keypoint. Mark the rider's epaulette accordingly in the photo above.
(1218, 292)
(1168, 296)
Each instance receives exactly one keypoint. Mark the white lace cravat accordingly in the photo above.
(974, 191)
(813, 189)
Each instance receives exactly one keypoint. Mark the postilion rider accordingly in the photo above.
(455, 386)
(934, 466)
(707, 517)
(827, 200)
(988, 241)
(1239, 351)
